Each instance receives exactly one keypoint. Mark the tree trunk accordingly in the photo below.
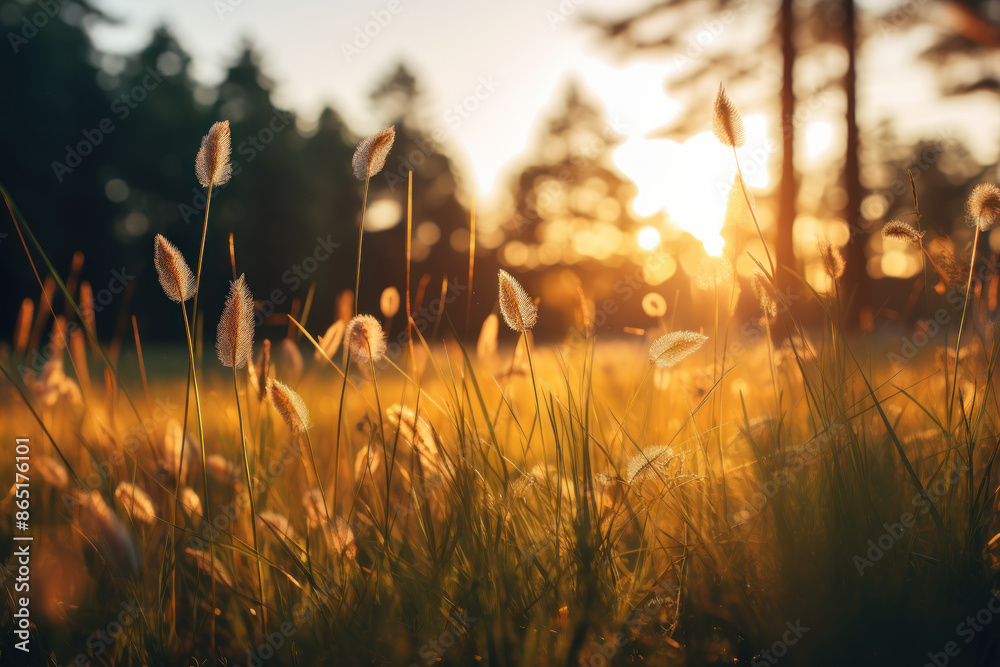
(788, 186)
(856, 279)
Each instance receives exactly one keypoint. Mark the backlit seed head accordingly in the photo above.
(666, 351)
(984, 206)
(175, 276)
(212, 163)
(519, 311)
(369, 158)
(366, 339)
(727, 124)
(897, 230)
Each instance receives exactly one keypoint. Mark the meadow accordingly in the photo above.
(776, 491)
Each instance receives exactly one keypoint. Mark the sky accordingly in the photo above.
(489, 71)
(318, 53)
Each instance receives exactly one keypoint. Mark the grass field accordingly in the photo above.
(674, 498)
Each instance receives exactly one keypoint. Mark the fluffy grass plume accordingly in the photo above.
(212, 162)
(175, 275)
(833, 260)
(369, 158)
(289, 406)
(644, 465)
(668, 350)
(713, 272)
(762, 292)
(191, 500)
(519, 311)
(984, 206)
(897, 230)
(366, 339)
(234, 342)
(136, 502)
(727, 124)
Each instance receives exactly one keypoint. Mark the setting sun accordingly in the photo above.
(648, 238)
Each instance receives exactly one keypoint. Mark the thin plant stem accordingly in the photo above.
(204, 466)
(319, 480)
(753, 215)
(961, 323)
(385, 454)
(361, 236)
(340, 419)
(253, 509)
(534, 387)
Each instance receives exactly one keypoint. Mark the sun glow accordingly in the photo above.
(648, 238)
(688, 181)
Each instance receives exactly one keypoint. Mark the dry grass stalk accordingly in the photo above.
(984, 206)
(366, 339)
(234, 342)
(289, 406)
(668, 350)
(519, 311)
(212, 162)
(897, 230)
(369, 158)
(175, 275)
(833, 260)
(727, 124)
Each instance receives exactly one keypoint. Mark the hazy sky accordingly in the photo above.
(515, 55)
(519, 47)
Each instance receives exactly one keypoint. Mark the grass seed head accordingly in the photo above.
(727, 124)
(366, 339)
(763, 293)
(289, 406)
(175, 276)
(369, 158)
(234, 342)
(897, 230)
(647, 463)
(192, 501)
(984, 206)
(136, 502)
(833, 260)
(212, 163)
(713, 272)
(519, 311)
(668, 350)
